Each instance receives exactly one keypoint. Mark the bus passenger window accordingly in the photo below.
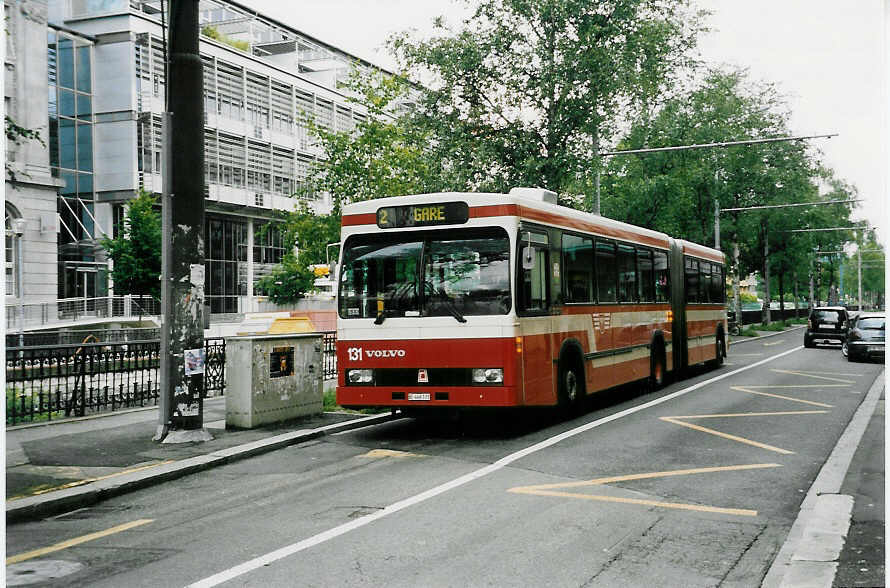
(606, 271)
(704, 288)
(691, 281)
(534, 282)
(627, 274)
(646, 291)
(662, 277)
(578, 267)
(718, 284)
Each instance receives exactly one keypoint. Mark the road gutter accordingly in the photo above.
(809, 557)
(758, 337)
(59, 501)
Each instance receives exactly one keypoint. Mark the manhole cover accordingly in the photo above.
(32, 572)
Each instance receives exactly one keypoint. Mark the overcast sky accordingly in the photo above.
(827, 57)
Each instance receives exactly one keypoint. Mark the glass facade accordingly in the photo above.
(69, 93)
(225, 243)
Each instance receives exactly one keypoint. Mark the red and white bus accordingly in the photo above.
(495, 300)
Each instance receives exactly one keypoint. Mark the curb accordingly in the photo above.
(746, 339)
(808, 558)
(52, 503)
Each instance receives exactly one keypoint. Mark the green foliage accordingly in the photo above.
(773, 326)
(213, 33)
(675, 191)
(136, 251)
(747, 297)
(524, 93)
(749, 332)
(310, 233)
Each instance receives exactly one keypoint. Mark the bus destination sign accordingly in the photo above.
(423, 215)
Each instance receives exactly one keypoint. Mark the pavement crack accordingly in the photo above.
(742, 554)
(618, 555)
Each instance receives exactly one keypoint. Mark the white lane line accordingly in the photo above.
(263, 560)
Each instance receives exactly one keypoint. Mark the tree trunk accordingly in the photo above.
(796, 292)
(765, 315)
(781, 294)
(736, 283)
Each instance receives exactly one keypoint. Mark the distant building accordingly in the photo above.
(89, 74)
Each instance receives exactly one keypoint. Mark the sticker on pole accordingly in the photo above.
(194, 362)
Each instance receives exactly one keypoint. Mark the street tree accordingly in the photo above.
(524, 93)
(676, 191)
(383, 155)
(136, 250)
(307, 235)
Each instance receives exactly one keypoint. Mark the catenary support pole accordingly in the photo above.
(716, 223)
(859, 271)
(181, 419)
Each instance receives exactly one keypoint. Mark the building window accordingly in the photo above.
(226, 262)
(11, 283)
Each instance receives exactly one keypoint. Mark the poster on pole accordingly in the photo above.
(194, 362)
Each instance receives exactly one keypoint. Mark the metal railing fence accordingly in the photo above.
(46, 382)
(72, 309)
(329, 354)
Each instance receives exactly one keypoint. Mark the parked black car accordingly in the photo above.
(826, 324)
(866, 338)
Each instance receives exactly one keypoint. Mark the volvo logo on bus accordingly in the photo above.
(356, 353)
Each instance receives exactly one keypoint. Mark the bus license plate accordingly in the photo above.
(827, 326)
(418, 396)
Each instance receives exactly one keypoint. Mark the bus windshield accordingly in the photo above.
(462, 272)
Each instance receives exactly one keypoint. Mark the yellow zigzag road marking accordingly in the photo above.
(745, 389)
(550, 489)
(76, 541)
(90, 480)
(810, 375)
(377, 453)
(676, 421)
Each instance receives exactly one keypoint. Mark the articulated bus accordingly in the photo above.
(459, 300)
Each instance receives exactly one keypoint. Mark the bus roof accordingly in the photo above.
(697, 250)
(522, 205)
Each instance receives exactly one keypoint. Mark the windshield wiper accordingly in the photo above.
(449, 303)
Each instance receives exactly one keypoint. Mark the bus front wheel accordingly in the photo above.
(571, 389)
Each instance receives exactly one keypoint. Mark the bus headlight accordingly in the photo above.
(359, 376)
(488, 376)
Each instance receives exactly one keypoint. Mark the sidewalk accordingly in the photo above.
(63, 465)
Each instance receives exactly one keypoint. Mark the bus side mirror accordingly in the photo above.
(528, 258)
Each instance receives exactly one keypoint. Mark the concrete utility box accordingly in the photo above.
(272, 378)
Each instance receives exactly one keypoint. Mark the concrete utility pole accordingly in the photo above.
(182, 336)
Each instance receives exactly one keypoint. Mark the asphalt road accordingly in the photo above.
(697, 484)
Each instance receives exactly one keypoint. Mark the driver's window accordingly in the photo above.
(535, 281)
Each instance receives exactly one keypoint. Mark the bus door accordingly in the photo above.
(536, 328)
(606, 269)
